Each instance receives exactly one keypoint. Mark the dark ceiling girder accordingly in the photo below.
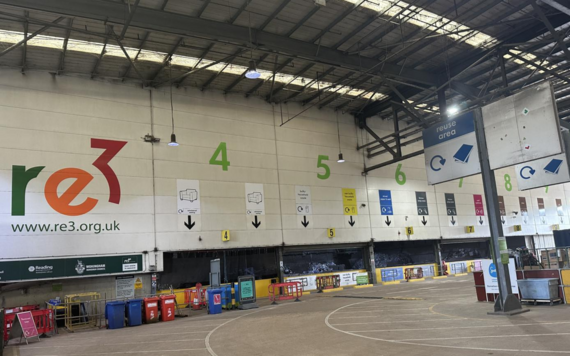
(297, 74)
(100, 58)
(181, 25)
(239, 11)
(459, 66)
(167, 58)
(61, 66)
(550, 28)
(127, 24)
(274, 14)
(321, 90)
(335, 22)
(320, 76)
(26, 39)
(203, 8)
(536, 65)
(468, 91)
(214, 76)
(302, 21)
(145, 38)
(25, 46)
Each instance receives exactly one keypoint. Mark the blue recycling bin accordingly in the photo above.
(115, 314)
(214, 301)
(226, 296)
(236, 293)
(134, 312)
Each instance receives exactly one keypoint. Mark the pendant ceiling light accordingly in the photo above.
(252, 72)
(340, 156)
(172, 142)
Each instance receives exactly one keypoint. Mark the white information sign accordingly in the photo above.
(125, 287)
(254, 199)
(522, 127)
(188, 196)
(303, 200)
(542, 172)
(490, 276)
(450, 149)
(309, 283)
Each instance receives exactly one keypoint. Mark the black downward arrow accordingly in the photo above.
(453, 221)
(388, 222)
(351, 222)
(256, 223)
(424, 221)
(305, 222)
(503, 220)
(481, 220)
(189, 224)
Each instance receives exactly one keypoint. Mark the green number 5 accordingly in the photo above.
(320, 164)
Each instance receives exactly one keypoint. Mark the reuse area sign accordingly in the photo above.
(450, 149)
(69, 267)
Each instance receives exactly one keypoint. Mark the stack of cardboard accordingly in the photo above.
(549, 259)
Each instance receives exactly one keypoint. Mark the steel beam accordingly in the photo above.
(203, 8)
(183, 25)
(239, 11)
(395, 160)
(214, 76)
(336, 21)
(26, 39)
(64, 51)
(25, 45)
(550, 28)
(551, 72)
(145, 38)
(302, 21)
(274, 14)
(99, 59)
(129, 19)
(167, 58)
(379, 140)
(319, 77)
(320, 91)
(468, 91)
(297, 75)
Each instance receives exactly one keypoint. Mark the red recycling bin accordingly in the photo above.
(167, 307)
(150, 314)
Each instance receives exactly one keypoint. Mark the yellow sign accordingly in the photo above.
(331, 232)
(138, 283)
(469, 229)
(518, 228)
(555, 227)
(409, 230)
(225, 235)
(349, 203)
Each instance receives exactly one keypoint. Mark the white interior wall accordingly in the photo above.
(49, 121)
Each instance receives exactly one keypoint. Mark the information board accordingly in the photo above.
(349, 203)
(247, 295)
(125, 287)
(386, 202)
(451, 150)
(23, 327)
(490, 276)
(522, 127)
(543, 172)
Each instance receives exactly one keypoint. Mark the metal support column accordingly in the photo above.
(370, 263)
(437, 254)
(507, 303)
(280, 266)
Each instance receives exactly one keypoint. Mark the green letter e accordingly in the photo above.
(20, 179)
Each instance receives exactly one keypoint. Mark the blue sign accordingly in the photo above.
(386, 202)
(392, 274)
(449, 130)
(492, 270)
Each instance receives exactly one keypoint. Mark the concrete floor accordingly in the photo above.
(447, 320)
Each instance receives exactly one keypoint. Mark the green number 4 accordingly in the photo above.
(320, 164)
(224, 162)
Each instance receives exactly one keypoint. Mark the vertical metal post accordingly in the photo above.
(396, 129)
(437, 254)
(370, 262)
(280, 266)
(507, 303)
(442, 103)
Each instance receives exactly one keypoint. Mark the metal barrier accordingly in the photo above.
(195, 297)
(459, 267)
(327, 282)
(44, 320)
(414, 273)
(287, 290)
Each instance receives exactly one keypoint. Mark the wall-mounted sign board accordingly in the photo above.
(450, 149)
(543, 172)
(522, 127)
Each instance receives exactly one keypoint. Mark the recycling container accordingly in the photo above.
(115, 314)
(214, 301)
(539, 288)
(226, 296)
(236, 293)
(150, 314)
(167, 307)
(134, 312)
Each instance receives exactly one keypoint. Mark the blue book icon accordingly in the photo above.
(553, 166)
(462, 155)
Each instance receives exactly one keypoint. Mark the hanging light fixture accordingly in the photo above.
(252, 72)
(172, 142)
(340, 156)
